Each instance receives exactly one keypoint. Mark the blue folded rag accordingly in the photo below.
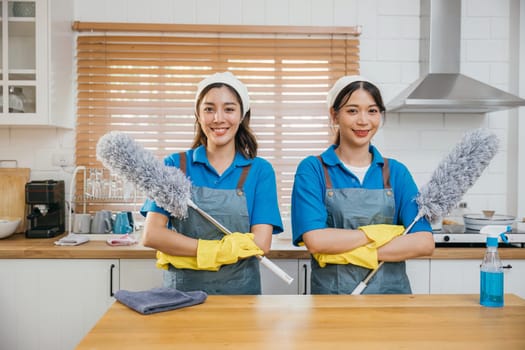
(159, 299)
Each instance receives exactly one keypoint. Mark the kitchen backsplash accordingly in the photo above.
(389, 56)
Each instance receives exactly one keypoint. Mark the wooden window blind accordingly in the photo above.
(143, 83)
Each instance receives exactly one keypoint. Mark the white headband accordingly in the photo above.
(228, 79)
(340, 85)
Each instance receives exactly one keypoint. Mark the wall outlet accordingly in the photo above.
(63, 159)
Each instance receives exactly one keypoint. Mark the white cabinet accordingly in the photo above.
(139, 274)
(418, 271)
(36, 66)
(462, 276)
(52, 303)
(515, 277)
(271, 284)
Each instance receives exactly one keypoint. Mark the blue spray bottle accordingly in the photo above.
(491, 276)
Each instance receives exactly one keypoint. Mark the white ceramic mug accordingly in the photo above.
(81, 223)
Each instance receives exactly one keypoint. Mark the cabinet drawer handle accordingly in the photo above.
(111, 280)
(508, 266)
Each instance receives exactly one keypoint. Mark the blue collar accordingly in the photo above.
(199, 156)
(330, 158)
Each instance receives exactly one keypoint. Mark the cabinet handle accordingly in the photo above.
(305, 269)
(111, 280)
(508, 266)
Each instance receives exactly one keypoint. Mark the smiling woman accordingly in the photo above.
(143, 81)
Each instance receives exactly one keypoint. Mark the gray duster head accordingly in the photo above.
(167, 186)
(456, 173)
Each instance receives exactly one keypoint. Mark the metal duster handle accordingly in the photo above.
(359, 289)
(364, 283)
(275, 269)
(264, 260)
(208, 217)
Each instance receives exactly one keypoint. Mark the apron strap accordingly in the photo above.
(182, 166)
(386, 174)
(326, 176)
(242, 179)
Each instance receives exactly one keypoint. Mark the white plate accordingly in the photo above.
(477, 221)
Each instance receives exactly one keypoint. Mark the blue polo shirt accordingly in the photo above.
(260, 186)
(308, 207)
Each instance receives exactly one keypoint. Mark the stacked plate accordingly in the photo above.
(477, 221)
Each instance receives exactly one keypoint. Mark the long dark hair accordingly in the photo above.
(245, 141)
(344, 95)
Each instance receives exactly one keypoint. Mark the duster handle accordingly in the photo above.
(364, 283)
(262, 259)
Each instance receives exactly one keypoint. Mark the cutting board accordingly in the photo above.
(12, 194)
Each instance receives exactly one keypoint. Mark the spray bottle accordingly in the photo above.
(491, 275)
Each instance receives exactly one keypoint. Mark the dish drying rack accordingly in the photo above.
(99, 185)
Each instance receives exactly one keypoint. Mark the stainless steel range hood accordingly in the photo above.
(442, 89)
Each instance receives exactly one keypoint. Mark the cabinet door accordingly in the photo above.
(271, 284)
(53, 303)
(139, 274)
(515, 277)
(454, 276)
(462, 276)
(418, 271)
(36, 69)
(25, 24)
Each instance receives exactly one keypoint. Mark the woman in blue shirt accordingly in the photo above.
(230, 183)
(351, 185)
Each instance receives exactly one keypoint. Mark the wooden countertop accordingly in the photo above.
(317, 322)
(18, 247)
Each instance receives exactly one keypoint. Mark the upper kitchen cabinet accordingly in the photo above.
(36, 70)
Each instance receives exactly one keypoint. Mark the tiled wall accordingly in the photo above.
(389, 56)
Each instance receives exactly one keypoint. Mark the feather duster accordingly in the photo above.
(168, 186)
(454, 175)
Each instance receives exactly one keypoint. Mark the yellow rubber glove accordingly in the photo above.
(381, 234)
(181, 262)
(364, 256)
(211, 255)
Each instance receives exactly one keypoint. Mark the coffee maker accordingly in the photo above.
(46, 208)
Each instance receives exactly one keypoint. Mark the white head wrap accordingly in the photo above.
(340, 85)
(228, 79)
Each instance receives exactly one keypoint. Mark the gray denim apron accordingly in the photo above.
(350, 208)
(230, 209)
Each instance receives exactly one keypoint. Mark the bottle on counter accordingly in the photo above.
(491, 287)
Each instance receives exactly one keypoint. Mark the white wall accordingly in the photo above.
(389, 56)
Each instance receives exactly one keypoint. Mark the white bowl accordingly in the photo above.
(477, 221)
(8, 225)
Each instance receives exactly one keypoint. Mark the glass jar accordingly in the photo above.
(456, 215)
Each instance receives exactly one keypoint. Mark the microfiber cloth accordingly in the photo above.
(159, 299)
(72, 239)
(124, 240)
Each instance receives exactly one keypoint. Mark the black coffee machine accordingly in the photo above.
(47, 210)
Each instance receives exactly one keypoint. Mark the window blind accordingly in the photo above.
(144, 84)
